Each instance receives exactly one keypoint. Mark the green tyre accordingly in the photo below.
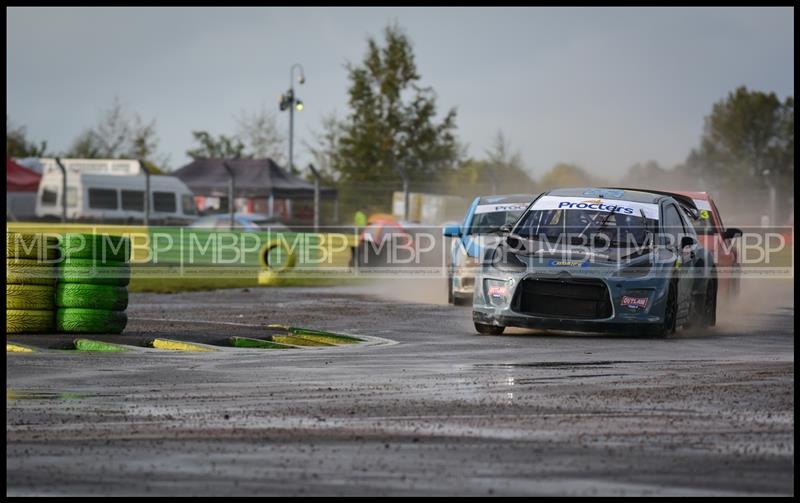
(90, 321)
(32, 246)
(37, 297)
(23, 271)
(27, 321)
(83, 295)
(94, 272)
(104, 247)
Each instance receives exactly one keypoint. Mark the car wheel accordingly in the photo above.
(670, 311)
(489, 329)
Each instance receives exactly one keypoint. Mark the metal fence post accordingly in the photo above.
(63, 189)
(316, 196)
(146, 192)
(231, 191)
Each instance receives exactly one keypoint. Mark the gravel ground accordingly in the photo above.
(430, 408)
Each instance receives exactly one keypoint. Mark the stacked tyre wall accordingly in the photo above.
(30, 282)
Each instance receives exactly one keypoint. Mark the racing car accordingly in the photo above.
(485, 218)
(702, 212)
(597, 260)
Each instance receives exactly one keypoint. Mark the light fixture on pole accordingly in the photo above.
(290, 102)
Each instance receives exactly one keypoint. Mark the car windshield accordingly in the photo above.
(574, 225)
(485, 223)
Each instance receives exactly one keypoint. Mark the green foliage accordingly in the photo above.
(746, 134)
(391, 126)
(566, 175)
(502, 172)
(223, 147)
(18, 145)
(119, 134)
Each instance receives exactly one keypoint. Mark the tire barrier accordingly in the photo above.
(102, 247)
(111, 298)
(24, 271)
(31, 246)
(91, 295)
(24, 321)
(90, 321)
(94, 272)
(29, 297)
(270, 262)
(30, 281)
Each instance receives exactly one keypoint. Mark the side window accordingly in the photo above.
(72, 196)
(673, 226)
(164, 201)
(49, 196)
(187, 204)
(133, 200)
(103, 199)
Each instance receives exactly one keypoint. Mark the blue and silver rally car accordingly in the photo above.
(486, 218)
(593, 259)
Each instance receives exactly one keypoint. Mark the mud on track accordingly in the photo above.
(442, 411)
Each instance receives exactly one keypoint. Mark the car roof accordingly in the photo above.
(506, 198)
(617, 193)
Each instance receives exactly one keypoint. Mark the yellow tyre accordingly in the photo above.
(30, 297)
(39, 246)
(26, 321)
(23, 271)
(276, 256)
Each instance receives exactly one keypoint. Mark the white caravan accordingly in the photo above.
(112, 191)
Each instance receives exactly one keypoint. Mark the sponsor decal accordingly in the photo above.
(567, 263)
(632, 208)
(497, 292)
(496, 208)
(634, 302)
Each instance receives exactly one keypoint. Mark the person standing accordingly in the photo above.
(360, 218)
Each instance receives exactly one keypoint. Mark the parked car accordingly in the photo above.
(253, 222)
(597, 259)
(485, 218)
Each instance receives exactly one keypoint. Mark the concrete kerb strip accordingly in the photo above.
(12, 347)
(99, 346)
(172, 345)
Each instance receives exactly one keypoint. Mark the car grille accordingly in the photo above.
(564, 298)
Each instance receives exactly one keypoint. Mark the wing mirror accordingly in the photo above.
(731, 232)
(452, 231)
(506, 229)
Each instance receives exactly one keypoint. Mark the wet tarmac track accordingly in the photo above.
(429, 408)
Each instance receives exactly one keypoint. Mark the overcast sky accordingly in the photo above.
(603, 88)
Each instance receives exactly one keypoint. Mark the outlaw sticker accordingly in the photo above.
(634, 302)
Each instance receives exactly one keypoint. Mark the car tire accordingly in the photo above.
(90, 321)
(26, 321)
(23, 297)
(670, 311)
(704, 307)
(82, 295)
(31, 246)
(94, 272)
(103, 247)
(23, 271)
(489, 329)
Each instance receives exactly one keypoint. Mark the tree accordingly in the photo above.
(17, 144)
(259, 132)
(223, 147)
(565, 175)
(746, 134)
(501, 172)
(391, 125)
(120, 134)
(325, 146)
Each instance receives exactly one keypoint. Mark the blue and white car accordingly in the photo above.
(596, 259)
(483, 224)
